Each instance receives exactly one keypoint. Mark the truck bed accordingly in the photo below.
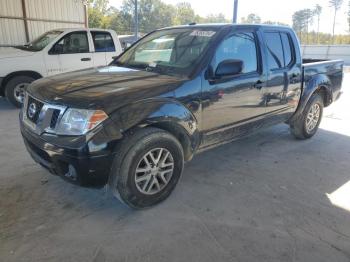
(323, 71)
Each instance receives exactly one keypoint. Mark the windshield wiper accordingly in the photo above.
(26, 48)
(155, 69)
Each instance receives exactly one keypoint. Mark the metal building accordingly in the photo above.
(23, 20)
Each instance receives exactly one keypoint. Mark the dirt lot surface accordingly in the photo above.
(268, 197)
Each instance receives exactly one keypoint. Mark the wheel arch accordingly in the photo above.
(7, 78)
(168, 115)
(326, 93)
(320, 84)
(187, 141)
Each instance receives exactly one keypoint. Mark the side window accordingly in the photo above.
(274, 50)
(287, 49)
(238, 46)
(103, 42)
(72, 43)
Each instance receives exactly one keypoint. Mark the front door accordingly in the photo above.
(70, 53)
(228, 103)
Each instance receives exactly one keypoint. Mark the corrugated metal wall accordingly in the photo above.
(327, 52)
(41, 16)
(11, 30)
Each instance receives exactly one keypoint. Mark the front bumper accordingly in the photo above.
(76, 165)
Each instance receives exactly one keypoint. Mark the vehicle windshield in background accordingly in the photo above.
(42, 41)
(173, 51)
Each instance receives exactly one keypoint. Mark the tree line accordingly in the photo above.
(155, 14)
(305, 18)
(152, 14)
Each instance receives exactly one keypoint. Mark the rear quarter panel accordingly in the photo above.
(328, 74)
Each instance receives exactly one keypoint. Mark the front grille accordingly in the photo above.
(33, 109)
(40, 116)
(54, 118)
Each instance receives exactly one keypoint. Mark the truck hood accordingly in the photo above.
(106, 88)
(11, 52)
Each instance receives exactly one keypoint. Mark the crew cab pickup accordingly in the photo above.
(56, 51)
(175, 92)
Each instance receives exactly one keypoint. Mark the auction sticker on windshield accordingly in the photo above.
(203, 33)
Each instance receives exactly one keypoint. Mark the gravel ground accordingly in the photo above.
(268, 197)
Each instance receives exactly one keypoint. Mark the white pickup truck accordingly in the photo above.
(55, 52)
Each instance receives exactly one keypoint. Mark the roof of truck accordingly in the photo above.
(81, 28)
(223, 25)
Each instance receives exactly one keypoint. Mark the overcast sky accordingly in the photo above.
(275, 10)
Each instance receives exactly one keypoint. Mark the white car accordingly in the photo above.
(57, 51)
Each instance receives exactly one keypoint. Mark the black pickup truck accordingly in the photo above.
(177, 91)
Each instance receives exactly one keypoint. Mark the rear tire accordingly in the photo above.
(15, 89)
(136, 179)
(306, 125)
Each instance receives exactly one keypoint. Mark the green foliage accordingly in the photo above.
(152, 14)
(184, 14)
(256, 19)
(155, 14)
(302, 19)
(215, 18)
(251, 19)
(318, 10)
(336, 4)
(211, 18)
(97, 13)
(269, 22)
(313, 38)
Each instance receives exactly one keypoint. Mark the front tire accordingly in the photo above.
(306, 125)
(147, 168)
(15, 89)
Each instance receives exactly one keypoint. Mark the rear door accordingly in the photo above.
(104, 48)
(284, 74)
(71, 52)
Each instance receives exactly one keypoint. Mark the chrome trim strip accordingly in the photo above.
(45, 116)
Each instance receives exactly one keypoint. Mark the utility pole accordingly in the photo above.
(136, 15)
(235, 11)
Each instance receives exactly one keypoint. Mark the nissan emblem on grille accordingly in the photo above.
(32, 110)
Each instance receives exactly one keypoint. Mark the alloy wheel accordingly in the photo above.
(19, 91)
(154, 171)
(313, 117)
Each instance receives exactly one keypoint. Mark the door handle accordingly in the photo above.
(86, 59)
(259, 84)
(293, 78)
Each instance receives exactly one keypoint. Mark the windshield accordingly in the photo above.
(173, 51)
(42, 41)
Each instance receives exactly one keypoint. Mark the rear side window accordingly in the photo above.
(238, 46)
(274, 50)
(287, 49)
(103, 42)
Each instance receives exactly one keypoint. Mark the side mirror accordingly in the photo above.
(229, 67)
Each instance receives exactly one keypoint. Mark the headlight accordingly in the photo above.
(79, 121)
